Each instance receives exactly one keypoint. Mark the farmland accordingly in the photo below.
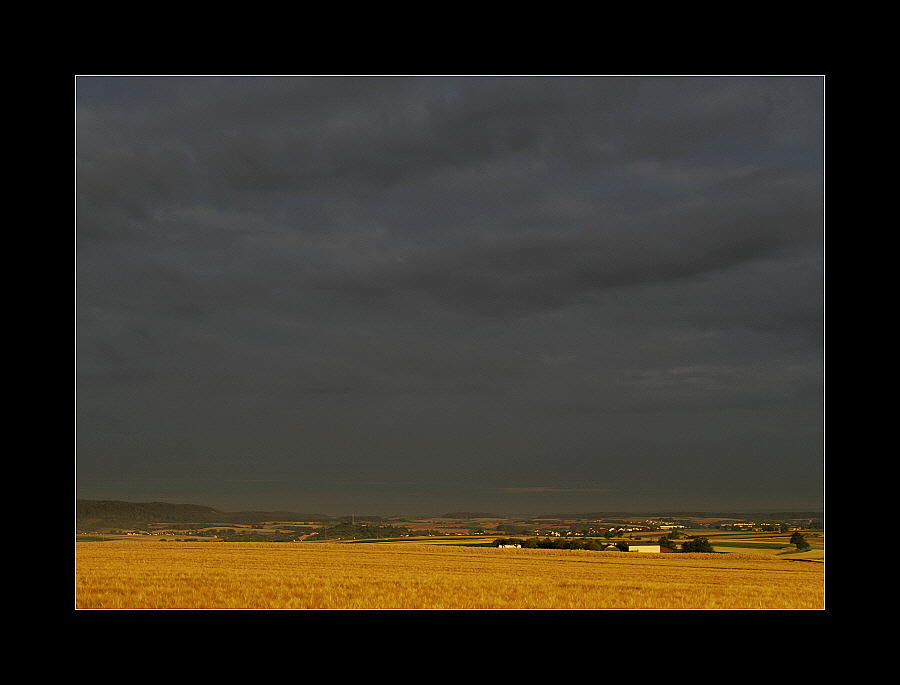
(147, 574)
(130, 556)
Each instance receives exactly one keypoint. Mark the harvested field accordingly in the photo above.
(206, 575)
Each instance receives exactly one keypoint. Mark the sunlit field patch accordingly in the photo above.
(154, 575)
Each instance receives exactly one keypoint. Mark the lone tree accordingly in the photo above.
(798, 539)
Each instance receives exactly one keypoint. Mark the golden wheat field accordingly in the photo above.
(203, 575)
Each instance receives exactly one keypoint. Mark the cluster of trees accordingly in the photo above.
(559, 543)
(698, 544)
(231, 535)
(340, 531)
(362, 531)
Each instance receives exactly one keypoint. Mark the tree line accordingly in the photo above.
(691, 545)
(699, 544)
(362, 531)
(560, 543)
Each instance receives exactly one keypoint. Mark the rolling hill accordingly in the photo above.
(94, 515)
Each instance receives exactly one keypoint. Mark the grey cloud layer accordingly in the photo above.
(574, 244)
(540, 269)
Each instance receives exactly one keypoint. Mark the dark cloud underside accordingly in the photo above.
(426, 293)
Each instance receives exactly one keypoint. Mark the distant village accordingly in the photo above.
(651, 526)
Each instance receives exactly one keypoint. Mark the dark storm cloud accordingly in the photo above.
(469, 280)
(540, 269)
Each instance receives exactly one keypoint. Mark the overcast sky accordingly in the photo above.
(416, 295)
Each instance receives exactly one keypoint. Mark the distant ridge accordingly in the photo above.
(469, 515)
(96, 514)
